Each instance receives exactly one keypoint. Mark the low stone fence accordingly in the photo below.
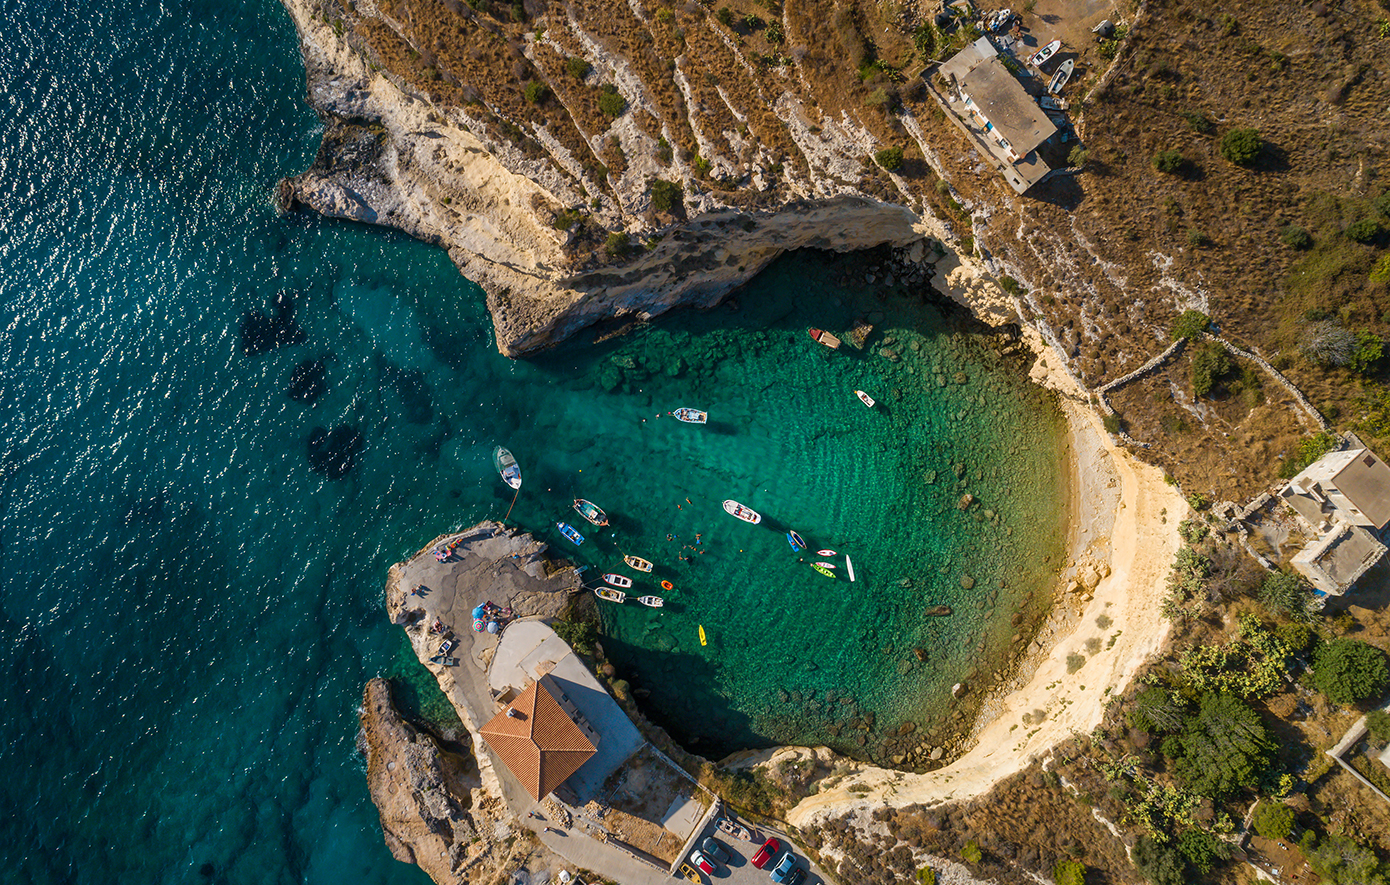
(1309, 410)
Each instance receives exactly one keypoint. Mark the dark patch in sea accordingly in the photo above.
(261, 334)
(308, 381)
(417, 401)
(334, 452)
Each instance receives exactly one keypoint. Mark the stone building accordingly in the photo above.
(1344, 498)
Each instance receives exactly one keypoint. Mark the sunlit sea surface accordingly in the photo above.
(190, 610)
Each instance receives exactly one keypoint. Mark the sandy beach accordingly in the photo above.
(1123, 533)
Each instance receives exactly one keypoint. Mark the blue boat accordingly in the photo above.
(568, 531)
(795, 540)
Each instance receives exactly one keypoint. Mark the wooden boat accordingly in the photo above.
(734, 508)
(618, 580)
(738, 831)
(825, 571)
(849, 567)
(651, 601)
(690, 416)
(865, 398)
(506, 466)
(826, 565)
(610, 594)
(638, 563)
(1048, 103)
(702, 635)
(826, 552)
(1045, 53)
(795, 540)
(568, 531)
(1060, 78)
(689, 872)
(590, 511)
(825, 338)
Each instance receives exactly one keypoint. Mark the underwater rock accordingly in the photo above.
(938, 611)
(334, 452)
(308, 381)
(262, 334)
(416, 399)
(958, 690)
(965, 501)
(966, 582)
(920, 652)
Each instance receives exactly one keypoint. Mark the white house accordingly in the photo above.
(1344, 497)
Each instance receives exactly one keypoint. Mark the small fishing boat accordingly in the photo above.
(1060, 78)
(590, 511)
(825, 571)
(651, 601)
(618, 580)
(825, 552)
(865, 398)
(506, 466)
(825, 338)
(1045, 53)
(826, 565)
(638, 563)
(568, 531)
(690, 416)
(738, 831)
(610, 594)
(734, 508)
(689, 873)
(849, 567)
(795, 540)
(702, 635)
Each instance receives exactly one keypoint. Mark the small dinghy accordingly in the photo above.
(825, 552)
(618, 580)
(610, 594)
(865, 398)
(690, 416)
(591, 511)
(825, 571)
(638, 563)
(849, 567)
(735, 509)
(1045, 53)
(825, 338)
(1060, 78)
(795, 540)
(703, 639)
(826, 565)
(738, 831)
(568, 531)
(651, 601)
(507, 467)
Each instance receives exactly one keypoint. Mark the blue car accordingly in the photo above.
(786, 870)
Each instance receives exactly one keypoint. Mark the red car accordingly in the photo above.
(704, 863)
(766, 853)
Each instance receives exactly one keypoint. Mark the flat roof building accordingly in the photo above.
(1344, 497)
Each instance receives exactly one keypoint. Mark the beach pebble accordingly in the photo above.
(937, 753)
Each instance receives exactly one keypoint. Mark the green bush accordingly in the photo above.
(1286, 593)
(566, 219)
(1297, 637)
(971, 852)
(1202, 850)
(774, 33)
(1069, 872)
(891, 159)
(1222, 750)
(725, 16)
(1191, 324)
(926, 876)
(578, 635)
(1197, 238)
(877, 98)
(1273, 820)
(1363, 231)
(1378, 721)
(1112, 423)
(1296, 237)
(577, 67)
(1381, 272)
(1369, 349)
(1078, 157)
(1309, 450)
(1198, 122)
(1157, 710)
(1209, 363)
(610, 101)
(1241, 146)
(535, 91)
(1159, 863)
(1341, 861)
(1349, 671)
(1168, 161)
(666, 195)
(617, 244)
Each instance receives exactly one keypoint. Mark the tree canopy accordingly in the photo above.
(1223, 749)
(1160, 864)
(1349, 671)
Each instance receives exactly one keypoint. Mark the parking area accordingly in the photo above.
(739, 869)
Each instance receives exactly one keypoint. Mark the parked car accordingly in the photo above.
(706, 866)
(782, 873)
(766, 853)
(798, 875)
(712, 847)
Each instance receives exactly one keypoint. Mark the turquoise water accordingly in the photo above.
(190, 610)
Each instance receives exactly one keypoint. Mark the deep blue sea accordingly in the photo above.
(190, 608)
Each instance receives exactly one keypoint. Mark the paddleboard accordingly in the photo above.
(849, 566)
(702, 635)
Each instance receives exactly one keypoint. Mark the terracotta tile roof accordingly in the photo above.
(539, 743)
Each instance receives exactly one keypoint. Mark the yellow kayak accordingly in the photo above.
(702, 635)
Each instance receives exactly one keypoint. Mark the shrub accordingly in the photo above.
(610, 101)
(1369, 349)
(1328, 344)
(1363, 231)
(1273, 820)
(577, 67)
(1349, 671)
(1168, 161)
(725, 16)
(566, 219)
(578, 635)
(1157, 710)
(1197, 238)
(1198, 122)
(1069, 872)
(891, 159)
(1209, 363)
(617, 244)
(1224, 749)
(1202, 850)
(1191, 324)
(1112, 423)
(1309, 450)
(1296, 237)
(926, 876)
(877, 98)
(1378, 721)
(774, 33)
(1078, 157)
(666, 195)
(1160, 864)
(1381, 272)
(1075, 662)
(535, 91)
(1241, 146)
(1286, 593)
(1296, 637)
